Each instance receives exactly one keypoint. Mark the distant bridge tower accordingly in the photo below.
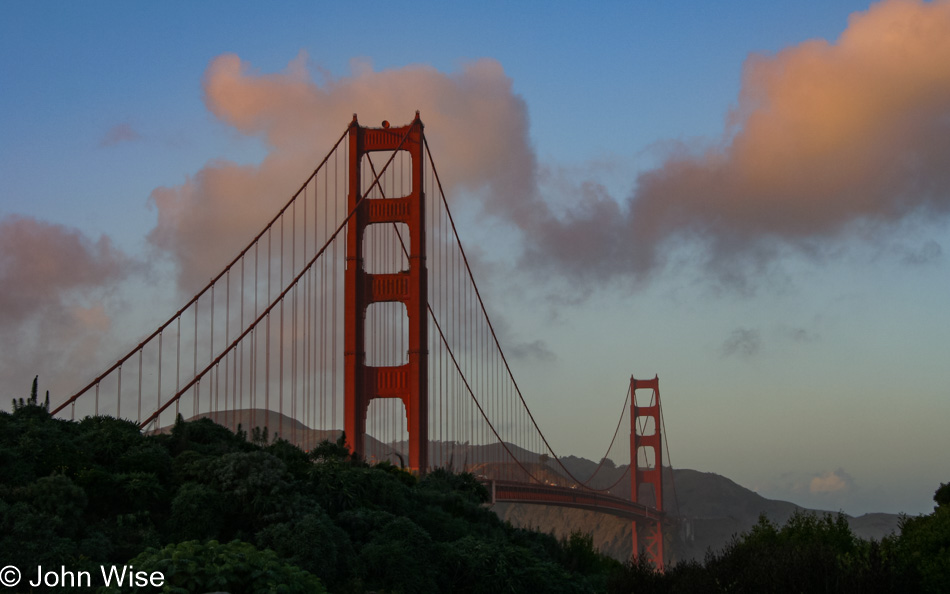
(646, 448)
(408, 382)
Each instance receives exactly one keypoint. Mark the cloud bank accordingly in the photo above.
(473, 120)
(51, 315)
(826, 136)
(42, 263)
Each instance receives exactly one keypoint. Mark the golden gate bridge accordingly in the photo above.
(366, 255)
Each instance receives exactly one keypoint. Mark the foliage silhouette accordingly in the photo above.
(236, 567)
(98, 491)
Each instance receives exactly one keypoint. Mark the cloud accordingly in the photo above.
(798, 334)
(51, 316)
(474, 122)
(825, 137)
(834, 481)
(928, 253)
(40, 263)
(118, 134)
(743, 342)
(816, 490)
(536, 350)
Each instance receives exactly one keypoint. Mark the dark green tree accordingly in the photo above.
(236, 567)
(923, 548)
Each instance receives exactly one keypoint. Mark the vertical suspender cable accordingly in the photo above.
(240, 370)
(158, 391)
(321, 340)
(227, 341)
(139, 411)
(267, 338)
(304, 310)
(324, 296)
(195, 353)
(177, 367)
(293, 319)
(280, 343)
(333, 282)
(254, 335)
(213, 404)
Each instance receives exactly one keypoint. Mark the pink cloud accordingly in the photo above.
(826, 136)
(50, 315)
(473, 119)
(835, 481)
(118, 134)
(41, 262)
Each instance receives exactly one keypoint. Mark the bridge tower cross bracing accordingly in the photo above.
(644, 437)
(408, 382)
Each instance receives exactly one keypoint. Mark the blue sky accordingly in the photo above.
(819, 376)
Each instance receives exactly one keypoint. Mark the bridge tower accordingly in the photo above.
(646, 443)
(408, 382)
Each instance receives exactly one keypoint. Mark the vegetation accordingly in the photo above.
(812, 554)
(213, 511)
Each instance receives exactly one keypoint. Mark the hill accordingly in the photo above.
(201, 509)
(710, 509)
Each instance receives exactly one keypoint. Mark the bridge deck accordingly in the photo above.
(514, 492)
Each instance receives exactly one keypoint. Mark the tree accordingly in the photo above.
(236, 567)
(810, 553)
(33, 401)
(923, 547)
(314, 543)
(942, 494)
(99, 492)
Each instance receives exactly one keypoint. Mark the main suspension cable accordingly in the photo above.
(493, 333)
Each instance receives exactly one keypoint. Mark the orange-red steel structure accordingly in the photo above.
(409, 382)
(646, 443)
(520, 492)
(281, 355)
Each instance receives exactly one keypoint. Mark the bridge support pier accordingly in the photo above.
(646, 447)
(408, 382)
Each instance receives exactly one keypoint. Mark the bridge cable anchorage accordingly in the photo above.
(492, 329)
(278, 300)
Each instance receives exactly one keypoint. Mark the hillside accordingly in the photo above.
(712, 509)
(201, 509)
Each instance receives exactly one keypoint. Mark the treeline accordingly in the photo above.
(216, 511)
(812, 553)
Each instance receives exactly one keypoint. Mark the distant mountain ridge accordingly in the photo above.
(712, 508)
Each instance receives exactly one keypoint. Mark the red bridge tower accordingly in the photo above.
(408, 382)
(646, 448)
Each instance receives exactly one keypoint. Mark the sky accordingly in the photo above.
(750, 200)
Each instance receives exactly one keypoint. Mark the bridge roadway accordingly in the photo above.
(515, 492)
